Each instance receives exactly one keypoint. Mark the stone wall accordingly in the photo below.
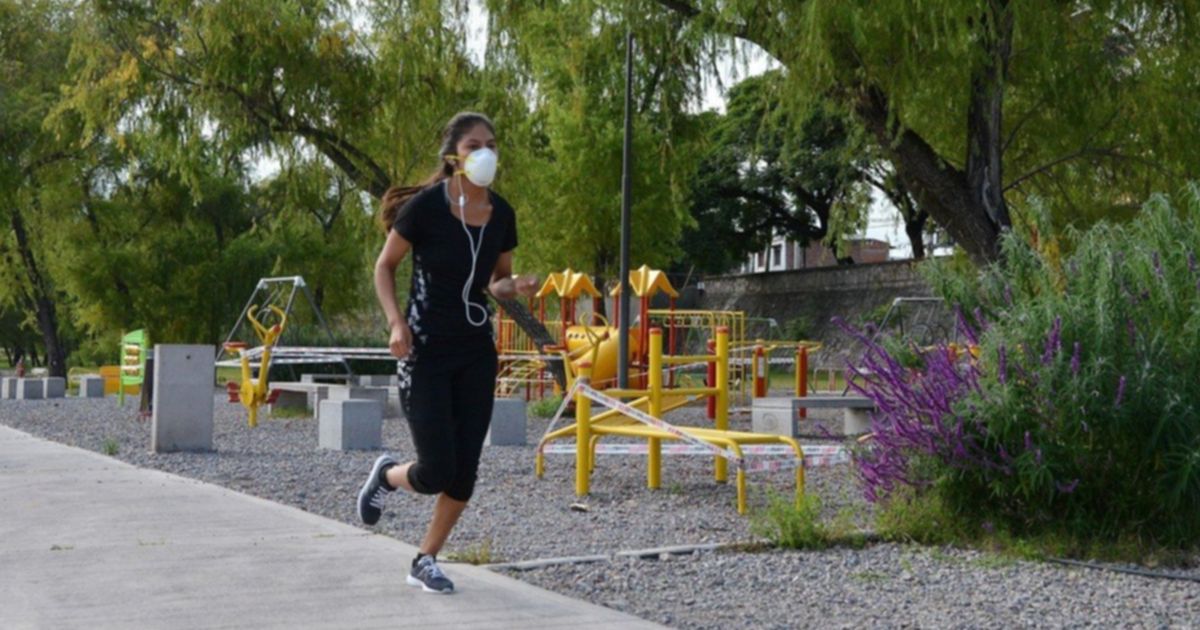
(849, 291)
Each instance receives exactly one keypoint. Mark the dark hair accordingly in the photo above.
(452, 134)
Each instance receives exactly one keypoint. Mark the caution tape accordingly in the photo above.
(814, 455)
(645, 418)
(562, 408)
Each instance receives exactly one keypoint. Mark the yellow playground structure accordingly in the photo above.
(642, 419)
(254, 392)
(676, 358)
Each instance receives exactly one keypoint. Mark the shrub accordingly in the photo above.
(792, 526)
(798, 328)
(1080, 415)
(545, 407)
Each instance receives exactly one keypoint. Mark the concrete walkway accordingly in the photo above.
(89, 541)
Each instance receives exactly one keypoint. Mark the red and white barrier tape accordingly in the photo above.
(814, 455)
(645, 418)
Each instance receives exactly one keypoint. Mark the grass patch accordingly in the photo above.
(870, 576)
(290, 413)
(477, 554)
(790, 526)
(924, 518)
(110, 447)
(546, 407)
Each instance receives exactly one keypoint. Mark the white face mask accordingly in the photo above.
(480, 167)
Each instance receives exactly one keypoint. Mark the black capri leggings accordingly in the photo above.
(447, 390)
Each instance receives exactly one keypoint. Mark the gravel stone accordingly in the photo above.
(515, 516)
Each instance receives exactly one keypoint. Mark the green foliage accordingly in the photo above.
(1098, 115)
(798, 328)
(110, 447)
(570, 54)
(546, 407)
(479, 553)
(790, 526)
(1087, 386)
(766, 172)
(921, 517)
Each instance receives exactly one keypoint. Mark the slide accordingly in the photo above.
(604, 367)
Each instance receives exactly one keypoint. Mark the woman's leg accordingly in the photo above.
(471, 399)
(445, 515)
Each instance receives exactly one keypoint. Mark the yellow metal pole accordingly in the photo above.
(741, 491)
(800, 483)
(583, 426)
(654, 445)
(721, 470)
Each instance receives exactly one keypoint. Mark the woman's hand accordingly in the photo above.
(528, 285)
(509, 288)
(503, 289)
(400, 342)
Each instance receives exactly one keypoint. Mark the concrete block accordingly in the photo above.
(91, 387)
(30, 388)
(183, 398)
(8, 387)
(315, 397)
(290, 400)
(378, 394)
(350, 424)
(508, 423)
(54, 387)
(856, 421)
(377, 380)
(775, 416)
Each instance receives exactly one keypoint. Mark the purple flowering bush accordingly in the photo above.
(1081, 414)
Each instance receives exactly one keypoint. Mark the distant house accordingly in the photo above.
(787, 255)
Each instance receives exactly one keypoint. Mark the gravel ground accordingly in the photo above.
(515, 516)
(883, 585)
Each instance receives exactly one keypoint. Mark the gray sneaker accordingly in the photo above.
(428, 575)
(370, 498)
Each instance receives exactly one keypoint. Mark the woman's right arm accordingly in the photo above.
(394, 251)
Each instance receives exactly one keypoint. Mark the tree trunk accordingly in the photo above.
(985, 144)
(914, 227)
(969, 204)
(942, 190)
(39, 299)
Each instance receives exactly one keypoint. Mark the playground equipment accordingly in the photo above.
(642, 419)
(522, 362)
(592, 339)
(133, 362)
(252, 392)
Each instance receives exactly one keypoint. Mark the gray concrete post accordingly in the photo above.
(183, 398)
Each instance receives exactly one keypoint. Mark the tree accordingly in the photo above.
(248, 80)
(33, 45)
(570, 56)
(984, 102)
(766, 173)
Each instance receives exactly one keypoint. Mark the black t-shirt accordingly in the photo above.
(442, 261)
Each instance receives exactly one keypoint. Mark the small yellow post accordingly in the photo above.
(741, 491)
(800, 483)
(654, 445)
(721, 471)
(583, 430)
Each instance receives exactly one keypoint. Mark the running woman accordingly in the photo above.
(461, 235)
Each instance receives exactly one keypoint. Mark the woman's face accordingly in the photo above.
(477, 138)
